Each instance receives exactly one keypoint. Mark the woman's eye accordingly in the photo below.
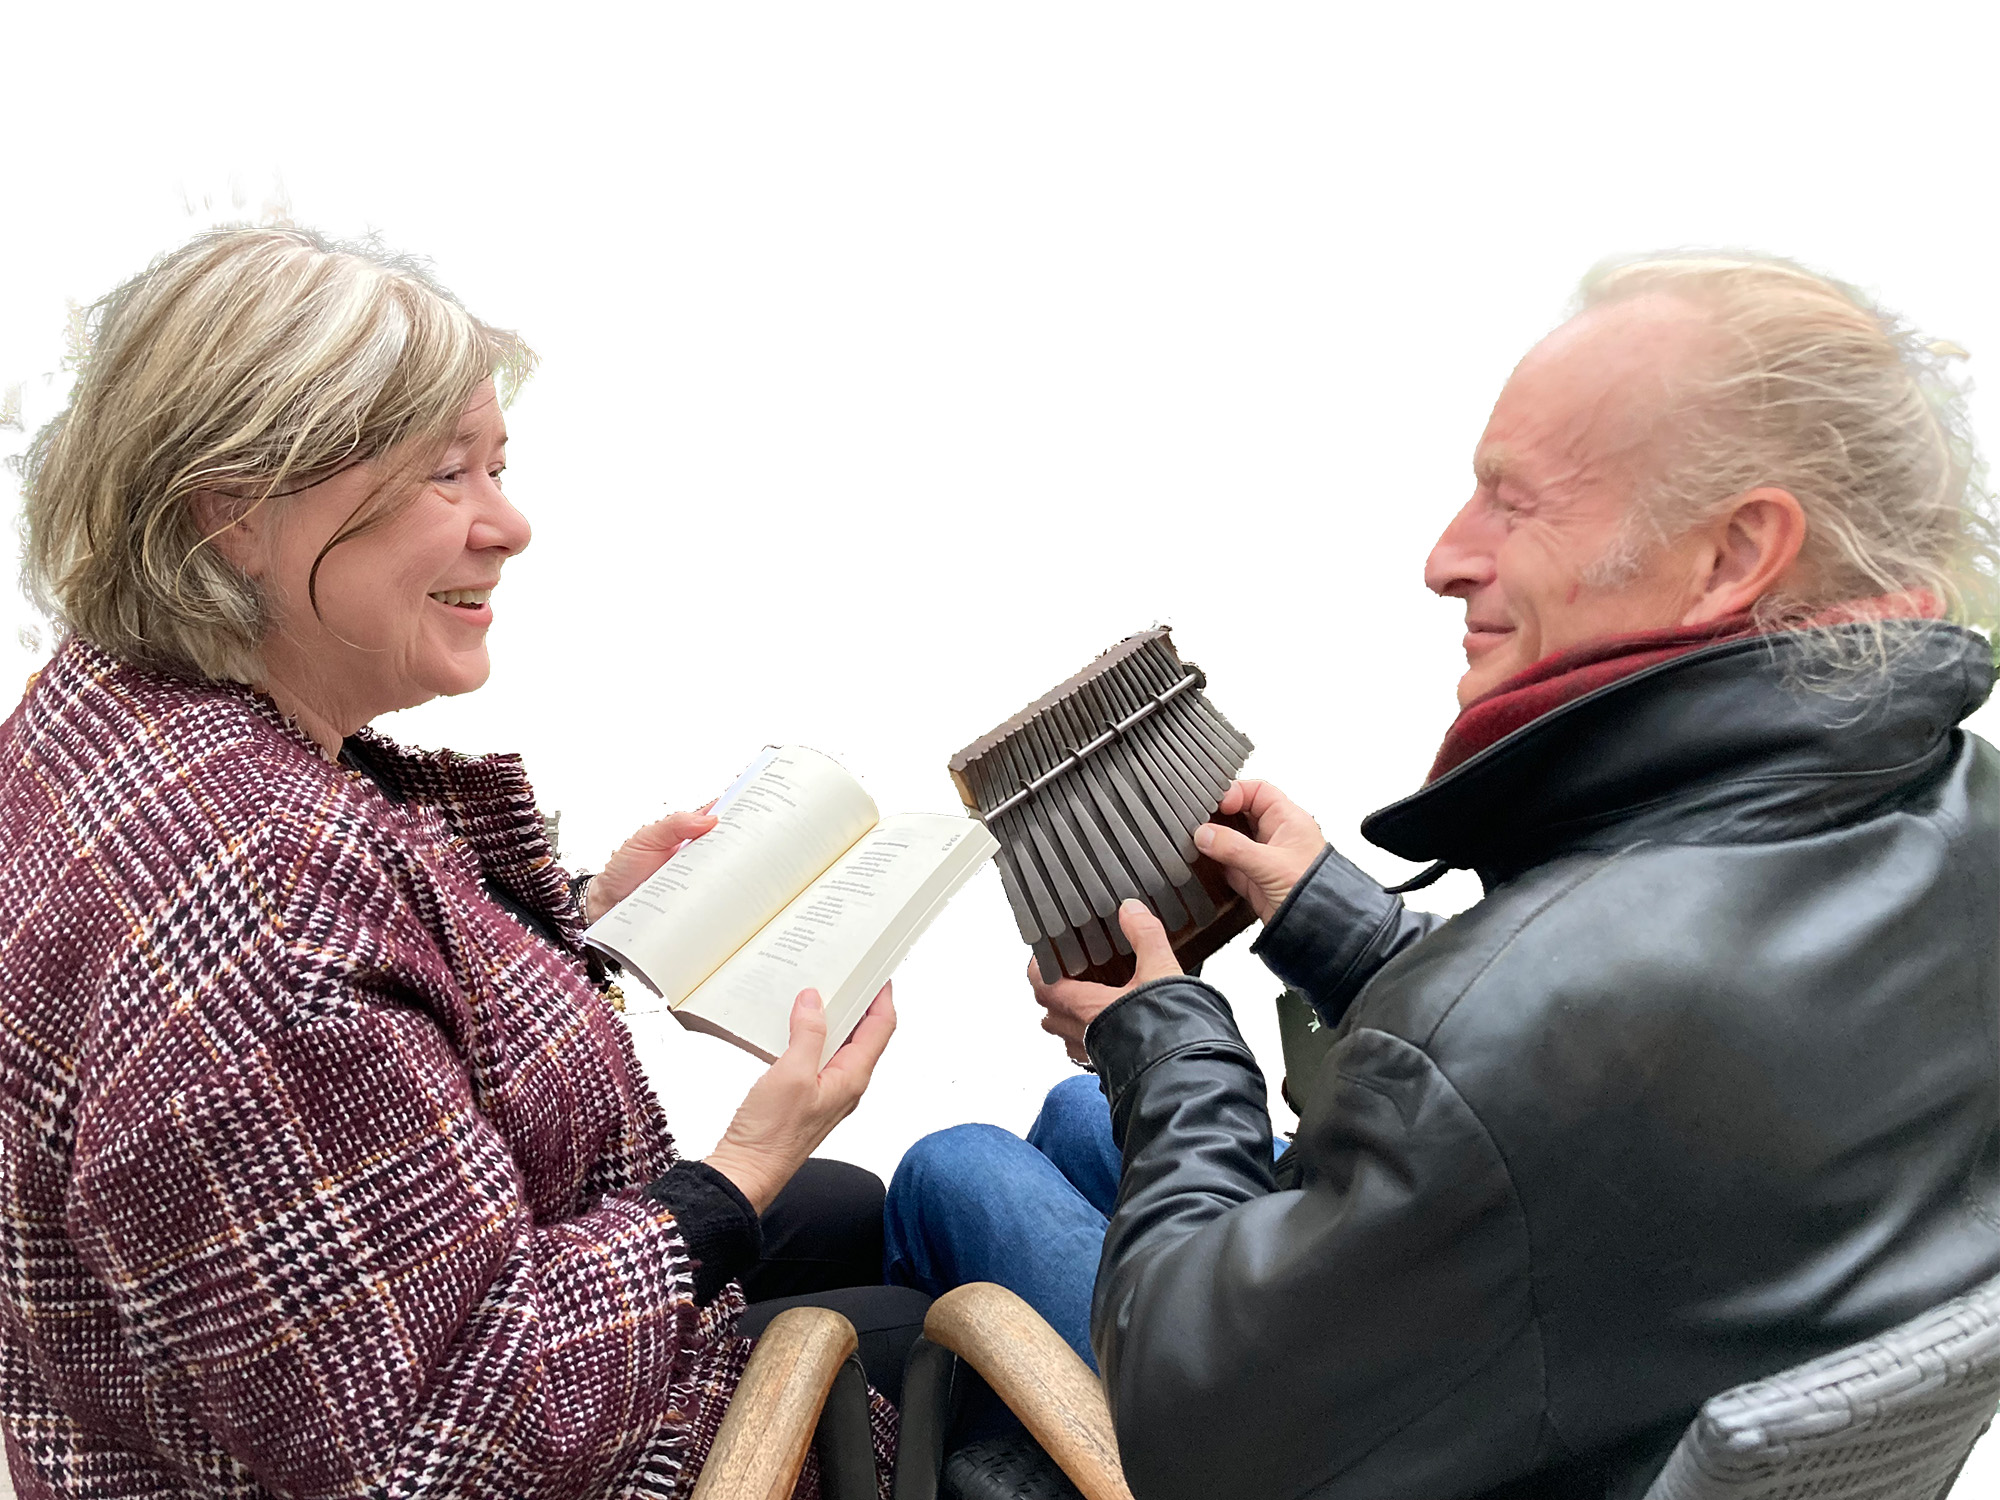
(494, 474)
(448, 476)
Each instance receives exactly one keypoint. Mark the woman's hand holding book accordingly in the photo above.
(640, 857)
(796, 1104)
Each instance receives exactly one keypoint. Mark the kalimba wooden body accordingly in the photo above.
(1094, 791)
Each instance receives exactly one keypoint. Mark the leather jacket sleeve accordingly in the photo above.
(1340, 1339)
(1336, 928)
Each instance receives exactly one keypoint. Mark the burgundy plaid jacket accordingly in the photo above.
(319, 1174)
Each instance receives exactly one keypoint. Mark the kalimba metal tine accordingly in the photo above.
(1159, 893)
(1068, 949)
(1209, 774)
(1016, 761)
(1157, 817)
(1194, 737)
(1151, 830)
(1070, 879)
(1025, 919)
(1019, 841)
(1076, 906)
(1079, 836)
(1012, 883)
(1230, 748)
(1174, 808)
(1111, 707)
(1064, 868)
(1159, 771)
(1120, 883)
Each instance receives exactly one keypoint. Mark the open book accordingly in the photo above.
(801, 884)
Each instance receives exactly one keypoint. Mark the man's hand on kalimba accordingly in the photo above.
(1262, 868)
(1072, 1004)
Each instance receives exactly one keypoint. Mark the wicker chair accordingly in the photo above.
(1891, 1417)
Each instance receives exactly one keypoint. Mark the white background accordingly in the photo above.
(897, 359)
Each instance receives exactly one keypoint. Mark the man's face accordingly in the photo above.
(1535, 552)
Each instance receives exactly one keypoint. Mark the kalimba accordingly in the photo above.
(1094, 792)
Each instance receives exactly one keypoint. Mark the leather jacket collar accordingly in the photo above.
(1721, 745)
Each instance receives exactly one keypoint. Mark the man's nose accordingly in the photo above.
(1461, 562)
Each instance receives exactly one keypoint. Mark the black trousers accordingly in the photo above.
(823, 1248)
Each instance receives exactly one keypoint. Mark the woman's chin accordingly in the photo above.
(459, 673)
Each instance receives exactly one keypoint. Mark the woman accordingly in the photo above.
(327, 1166)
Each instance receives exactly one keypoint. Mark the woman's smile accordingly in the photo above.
(467, 606)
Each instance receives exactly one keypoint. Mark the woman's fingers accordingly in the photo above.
(675, 829)
(808, 1030)
(640, 857)
(853, 1065)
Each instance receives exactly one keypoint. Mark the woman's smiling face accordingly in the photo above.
(398, 614)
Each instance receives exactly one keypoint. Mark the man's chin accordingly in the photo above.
(1481, 678)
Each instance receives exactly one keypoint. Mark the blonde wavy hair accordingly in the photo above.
(251, 363)
(1814, 389)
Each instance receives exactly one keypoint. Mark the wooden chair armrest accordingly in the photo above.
(762, 1443)
(1038, 1376)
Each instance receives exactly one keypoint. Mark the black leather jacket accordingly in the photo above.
(1708, 1084)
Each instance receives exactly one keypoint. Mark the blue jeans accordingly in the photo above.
(975, 1203)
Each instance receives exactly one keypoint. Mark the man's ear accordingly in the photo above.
(233, 526)
(1753, 548)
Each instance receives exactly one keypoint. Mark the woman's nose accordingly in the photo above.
(1461, 562)
(500, 524)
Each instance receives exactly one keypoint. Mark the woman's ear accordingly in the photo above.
(1754, 548)
(233, 526)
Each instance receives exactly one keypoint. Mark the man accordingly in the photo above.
(1709, 1082)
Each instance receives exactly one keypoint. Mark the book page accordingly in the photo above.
(843, 935)
(781, 825)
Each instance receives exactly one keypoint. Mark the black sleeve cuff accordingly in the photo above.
(1160, 1019)
(716, 1221)
(1335, 929)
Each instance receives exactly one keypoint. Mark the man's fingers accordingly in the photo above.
(1251, 798)
(1235, 851)
(1075, 995)
(1153, 954)
(1066, 1027)
(1065, 992)
(1269, 810)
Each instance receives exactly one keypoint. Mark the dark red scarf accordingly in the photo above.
(1568, 675)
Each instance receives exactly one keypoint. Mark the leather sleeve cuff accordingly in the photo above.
(1162, 1018)
(1320, 940)
(716, 1221)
